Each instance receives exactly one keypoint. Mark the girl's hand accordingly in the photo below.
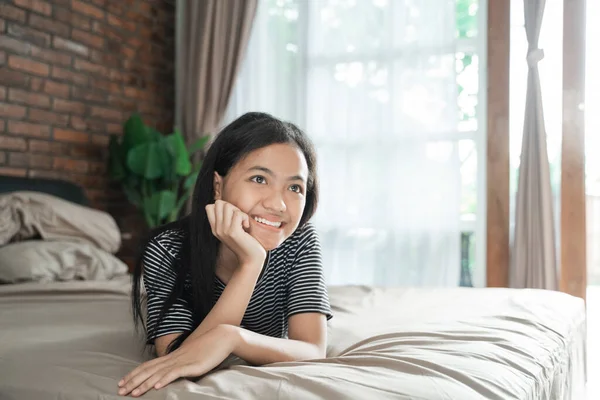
(192, 359)
(229, 225)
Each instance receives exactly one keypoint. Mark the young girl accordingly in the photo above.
(242, 273)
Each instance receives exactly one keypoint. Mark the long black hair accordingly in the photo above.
(198, 257)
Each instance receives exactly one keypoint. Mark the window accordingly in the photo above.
(389, 92)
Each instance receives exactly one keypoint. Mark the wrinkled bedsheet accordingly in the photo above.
(75, 340)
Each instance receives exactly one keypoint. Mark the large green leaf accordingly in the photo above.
(135, 133)
(181, 157)
(198, 144)
(116, 169)
(149, 160)
(161, 204)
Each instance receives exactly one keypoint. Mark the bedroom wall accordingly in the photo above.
(71, 72)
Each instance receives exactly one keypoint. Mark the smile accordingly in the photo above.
(267, 222)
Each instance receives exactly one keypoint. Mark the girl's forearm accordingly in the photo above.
(232, 304)
(258, 349)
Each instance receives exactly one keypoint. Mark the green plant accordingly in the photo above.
(155, 171)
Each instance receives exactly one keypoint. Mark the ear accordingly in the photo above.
(218, 186)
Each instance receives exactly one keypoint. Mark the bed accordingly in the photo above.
(74, 339)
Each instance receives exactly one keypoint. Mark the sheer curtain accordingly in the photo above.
(373, 82)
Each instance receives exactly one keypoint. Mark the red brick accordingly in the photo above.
(108, 86)
(90, 181)
(27, 129)
(11, 111)
(121, 23)
(13, 171)
(114, 128)
(69, 106)
(106, 113)
(72, 19)
(101, 140)
(43, 146)
(133, 92)
(46, 174)
(88, 38)
(18, 159)
(74, 77)
(122, 103)
(87, 9)
(65, 135)
(100, 3)
(116, 7)
(51, 118)
(95, 125)
(39, 6)
(68, 45)
(14, 45)
(35, 84)
(104, 58)
(27, 34)
(30, 66)
(2, 158)
(3, 58)
(88, 152)
(88, 95)
(10, 12)
(12, 143)
(38, 161)
(96, 167)
(67, 164)
(49, 25)
(2, 25)
(32, 99)
(128, 51)
(2, 93)
(13, 78)
(78, 123)
(53, 57)
(82, 65)
(56, 89)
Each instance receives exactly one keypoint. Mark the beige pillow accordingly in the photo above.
(47, 261)
(25, 215)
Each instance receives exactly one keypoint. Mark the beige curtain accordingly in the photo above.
(534, 262)
(212, 36)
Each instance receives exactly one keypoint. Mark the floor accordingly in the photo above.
(593, 355)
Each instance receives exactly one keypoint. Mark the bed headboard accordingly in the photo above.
(56, 187)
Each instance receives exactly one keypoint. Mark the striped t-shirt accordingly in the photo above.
(291, 282)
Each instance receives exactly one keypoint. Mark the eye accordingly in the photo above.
(296, 188)
(259, 179)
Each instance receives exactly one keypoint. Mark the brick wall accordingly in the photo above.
(71, 72)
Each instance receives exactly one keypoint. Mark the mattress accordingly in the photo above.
(75, 340)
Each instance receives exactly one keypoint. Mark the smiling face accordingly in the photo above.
(269, 185)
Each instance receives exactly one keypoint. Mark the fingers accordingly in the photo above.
(133, 381)
(225, 218)
(169, 377)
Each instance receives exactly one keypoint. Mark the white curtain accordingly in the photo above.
(373, 82)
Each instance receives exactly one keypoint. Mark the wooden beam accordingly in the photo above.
(573, 269)
(498, 169)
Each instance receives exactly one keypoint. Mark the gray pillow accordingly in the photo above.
(57, 260)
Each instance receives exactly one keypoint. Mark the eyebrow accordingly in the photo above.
(271, 173)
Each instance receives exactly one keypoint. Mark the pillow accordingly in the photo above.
(47, 261)
(26, 215)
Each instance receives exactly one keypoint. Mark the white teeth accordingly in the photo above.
(267, 222)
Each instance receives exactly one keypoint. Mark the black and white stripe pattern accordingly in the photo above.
(292, 283)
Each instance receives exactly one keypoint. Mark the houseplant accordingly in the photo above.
(154, 170)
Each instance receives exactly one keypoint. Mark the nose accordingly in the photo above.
(274, 202)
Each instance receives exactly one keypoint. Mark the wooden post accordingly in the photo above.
(573, 269)
(498, 168)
